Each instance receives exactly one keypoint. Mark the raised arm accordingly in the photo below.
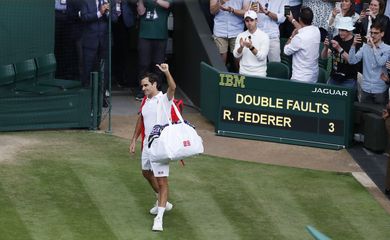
(171, 83)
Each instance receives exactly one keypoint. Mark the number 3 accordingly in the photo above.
(331, 127)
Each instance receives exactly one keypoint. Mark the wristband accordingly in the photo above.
(342, 51)
(292, 21)
(251, 48)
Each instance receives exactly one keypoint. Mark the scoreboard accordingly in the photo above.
(284, 111)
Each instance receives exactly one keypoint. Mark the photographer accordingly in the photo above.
(371, 15)
(343, 73)
(374, 54)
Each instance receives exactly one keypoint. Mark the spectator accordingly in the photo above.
(304, 45)
(269, 15)
(227, 23)
(252, 48)
(153, 36)
(94, 14)
(347, 9)
(287, 28)
(373, 14)
(343, 73)
(374, 54)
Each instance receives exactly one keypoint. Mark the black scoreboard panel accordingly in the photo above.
(284, 111)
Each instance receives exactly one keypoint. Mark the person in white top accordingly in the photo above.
(269, 15)
(156, 173)
(252, 48)
(304, 46)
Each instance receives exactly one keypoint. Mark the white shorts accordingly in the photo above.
(160, 169)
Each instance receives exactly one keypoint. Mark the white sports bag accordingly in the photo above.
(176, 141)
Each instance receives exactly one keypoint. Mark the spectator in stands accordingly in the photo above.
(321, 10)
(373, 14)
(153, 36)
(346, 9)
(343, 73)
(374, 54)
(287, 27)
(252, 47)
(269, 15)
(304, 45)
(94, 14)
(228, 15)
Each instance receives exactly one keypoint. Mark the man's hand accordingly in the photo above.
(103, 8)
(335, 44)
(357, 40)
(163, 67)
(132, 147)
(326, 42)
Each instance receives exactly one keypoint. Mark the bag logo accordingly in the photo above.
(186, 143)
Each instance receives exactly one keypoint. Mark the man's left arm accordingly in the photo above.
(262, 53)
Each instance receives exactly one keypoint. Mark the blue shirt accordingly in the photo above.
(226, 24)
(374, 60)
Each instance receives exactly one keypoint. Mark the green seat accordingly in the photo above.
(278, 70)
(7, 77)
(316, 234)
(25, 78)
(322, 76)
(323, 63)
(46, 67)
(284, 58)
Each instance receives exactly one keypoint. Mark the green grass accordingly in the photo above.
(82, 185)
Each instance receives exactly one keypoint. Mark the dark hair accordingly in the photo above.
(306, 15)
(152, 77)
(381, 6)
(351, 10)
(379, 24)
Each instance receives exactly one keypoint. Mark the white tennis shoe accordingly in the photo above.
(154, 209)
(157, 224)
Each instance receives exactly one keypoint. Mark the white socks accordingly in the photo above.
(160, 212)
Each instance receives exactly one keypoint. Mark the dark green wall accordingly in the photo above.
(192, 44)
(26, 29)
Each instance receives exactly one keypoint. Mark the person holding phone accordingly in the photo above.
(270, 14)
(369, 15)
(343, 73)
(345, 8)
(374, 54)
(303, 46)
